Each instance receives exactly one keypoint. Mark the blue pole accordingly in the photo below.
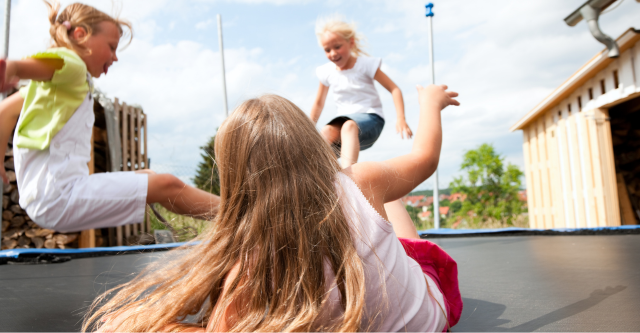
(436, 194)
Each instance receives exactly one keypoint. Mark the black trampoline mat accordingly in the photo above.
(515, 283)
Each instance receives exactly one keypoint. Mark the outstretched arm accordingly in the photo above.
(383, 182)
(398, 101)
(9, 112)
(318, 105)
(27, 69)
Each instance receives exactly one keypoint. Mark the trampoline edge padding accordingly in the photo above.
(89, 252)
(445, 232)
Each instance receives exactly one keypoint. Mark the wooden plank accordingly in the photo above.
(555, 183)
(610, 187)
(587, 168)
(132, 135)
(139, 141)
(146, 154)
(528, 176)
(576, 171)
(125, 136)
(119, 236)
(87, 239)
(569, 208)
(112, 117)
(537, 188)
(597, 170)
(543, 166)
(626, 209)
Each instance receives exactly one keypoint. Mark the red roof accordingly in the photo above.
(457, 196)
(413, 200)
(428, 202)
(522, 195)
(443, 211)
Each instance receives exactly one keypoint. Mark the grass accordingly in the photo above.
(186, 228)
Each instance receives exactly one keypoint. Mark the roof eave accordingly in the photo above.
(592, 67)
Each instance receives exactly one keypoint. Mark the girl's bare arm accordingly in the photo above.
(383, 182)
(318, 105)
(27, 69)
(398, 102)
(9, 112)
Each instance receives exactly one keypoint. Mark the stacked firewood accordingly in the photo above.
(18, 231)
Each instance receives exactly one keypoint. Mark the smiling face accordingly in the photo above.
(102, 46)
(337, 49)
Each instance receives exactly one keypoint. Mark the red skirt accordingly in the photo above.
(442, 269)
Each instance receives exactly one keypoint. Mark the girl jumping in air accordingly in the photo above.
(351, 75)
(54, 116)
(299, 246)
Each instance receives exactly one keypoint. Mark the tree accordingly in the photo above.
(491, 190)
(207, 178)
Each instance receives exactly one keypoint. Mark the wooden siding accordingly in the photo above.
(568, 152)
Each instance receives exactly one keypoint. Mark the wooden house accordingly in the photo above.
(582, 145)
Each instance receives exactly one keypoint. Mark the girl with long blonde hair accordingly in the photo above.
(298, 243)
(53, 120)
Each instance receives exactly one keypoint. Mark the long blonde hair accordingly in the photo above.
(280, 218)
(347, 31)
(79, 15)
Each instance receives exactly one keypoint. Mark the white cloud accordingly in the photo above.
(204, 24)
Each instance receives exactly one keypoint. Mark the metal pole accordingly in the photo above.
(436, 196)
(7, 21)
(224, 80)
(5, 55)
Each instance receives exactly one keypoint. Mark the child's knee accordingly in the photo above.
(349, 127)
(330, 133)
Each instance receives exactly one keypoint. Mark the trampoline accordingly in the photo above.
(513, 280)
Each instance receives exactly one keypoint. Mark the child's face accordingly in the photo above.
(336, 48)
(102, 46)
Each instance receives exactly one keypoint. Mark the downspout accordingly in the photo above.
(590, 12)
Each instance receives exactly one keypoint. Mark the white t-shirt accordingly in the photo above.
(353, 89)
(406, 305)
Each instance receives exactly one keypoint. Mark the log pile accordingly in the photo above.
(18, 231)
(625, 132)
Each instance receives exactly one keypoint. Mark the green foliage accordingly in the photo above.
(491, 189)
(413, 213)
(186, 228)
(207, 178)
(429, 193)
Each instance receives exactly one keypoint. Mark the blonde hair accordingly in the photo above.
(347, 31)
(280, 219)
(79, 15)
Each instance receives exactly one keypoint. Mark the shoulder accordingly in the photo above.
(370, 61)
(324, 72)
(369, 65)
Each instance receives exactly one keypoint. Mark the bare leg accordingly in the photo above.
(180, 198)
(331, 133)
(350, 143)
(399, 218)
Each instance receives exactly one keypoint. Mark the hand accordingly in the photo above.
(3, 175)
(403, 129)
(6, 83)
(437, 94)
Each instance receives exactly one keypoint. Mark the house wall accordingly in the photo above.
(568, 152)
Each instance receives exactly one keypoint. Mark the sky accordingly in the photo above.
(502, 56)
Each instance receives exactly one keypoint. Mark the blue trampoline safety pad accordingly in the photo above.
(567, 231)
(105, 250)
